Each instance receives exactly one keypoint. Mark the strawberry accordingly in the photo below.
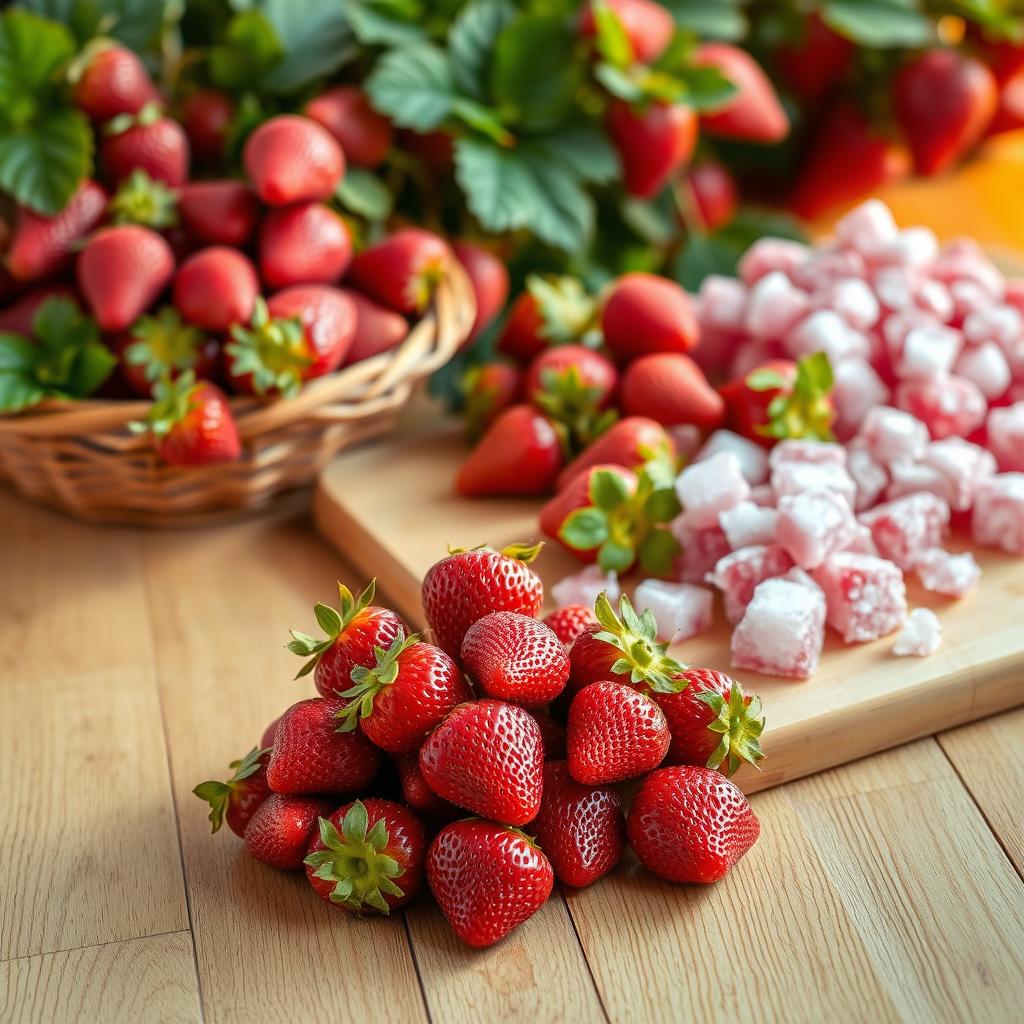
(552, 311)
(161, 346)
(630, 443)
(17, 318)
(754, 113)
(368, 856)
(237, 799)
(521, 453)
(487, 879)
(363, 134)
(568, 622)
(141, 200)
(522, 335)
(207, 117)
(280, 831)
(310, 755)
(782, 399)
(653, 142)
(43, 246)
(216, 288)
(517, 658)
(671, 388)
(353, 631)
(377, 329)
(712, 721)
(399, 699)
(417, 794)
(467, 585)
(113, 81)
(291, 158)
(552, 735)
(145, 141)
(190, 423)
(715, 197)
(121, 271)
(303, 332)
(1009, 115)
(644, 313)
(267, 740)
(218, 212)
(489, 279)
(816, 61)
(614, 733)
(403, 270)
(304, 243)
(647, 25)
(581, 828)
(489, 389)
(690, 824)
(487, 756)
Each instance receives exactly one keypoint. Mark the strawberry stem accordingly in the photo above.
(740, 723)
(333, 622)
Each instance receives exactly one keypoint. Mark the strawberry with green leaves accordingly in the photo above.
(162, 345)
(551, 311)
(647, 26)
(631, 442)
(145, 141)
(236, 800)
(109, 80)
(489, 389)
(403, 271)
(141, 200)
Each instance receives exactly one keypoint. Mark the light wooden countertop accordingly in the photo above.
(137, 664)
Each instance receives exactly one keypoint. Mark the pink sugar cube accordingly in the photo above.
(865, 596)
(752, 457)
(702, 550)
(681, 610)
(921, 634)
(968, 297)
(687, 438)
(816, 452)
(891, 434)
(768, 254)
(896, 287)
(801, 576)
(867, 227)
(962, 465)
(914, 478)
(929, 352)
(585, 586)
(997, 520)
(853, 299)
(814, 524)
(946, 405)
(707, 487)
(738, 573)
(935, 299)
(752, 354)
(826, 266)
(775, 305)
(904, 528)
(870, 476)
(912, 247)
(762, 494)
(964, 260)
(721, 303)
(1001, 324)
(790, 478)
(782, 631)
(986, 367)
(826, 331)
(1006, 437)
(947, 574)
(746, 524)
(896, 327)
(862, 542)
(857, 388)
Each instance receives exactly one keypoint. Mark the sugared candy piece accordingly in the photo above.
(913, 478)
(681, 610)
(929, 352)
(826, 331)
(962, 466)
(774, 307)
(708, 487)
(768, 254)
(997, 520)
(1006, 437)
(867, 227)
(870, 476)
(947, 574)
(853, 300)
(921, 634)
(813, 525)
(865, 596)
(746, 524)
(738, 573)
(857, 388)
(905, 528)
(752, 456)
(946, 405)
(583, 587)
(789, 478)
(701, 552)
(986, 367)
(890, 434)
(816, 452)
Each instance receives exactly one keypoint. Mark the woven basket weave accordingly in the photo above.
(81, 458)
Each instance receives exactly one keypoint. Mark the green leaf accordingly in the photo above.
(136, 23)
(619, 83)
(585, 529)
(585, 149)
(706, 87)
(608, 490)
(413, 86)
(704, 255)
(612, 39)
(251, 50)
(471, 43)
(614, 557)
(373, 24)
(364, 194)
(713, 19)
(657, 551)
(879, 23)
(32, 50)
(18, 386)
(316, 39)
(483, 120)
(662, 506)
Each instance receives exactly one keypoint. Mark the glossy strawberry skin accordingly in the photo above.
(648, 26)
(672, 389)
(591, 660)
(754, 114)
(311, 756)
(373, 627)
(490, 389)
(206, 436)
(645, 313)
(465, 586)
(377, 329)
(581, 829)
(218, 212)
(688, 718)
(487, 756)
(489, 279)
(629, 443)
(817, 61)
(521, 337)
(280, 831)
(594, 370)
(267, 739)
(487, 879)
(290, 158)
(215, 288)
(114, 82)
(206, 117)
(417, 794)
(747, 409)
(364, 135)
(304, 243)
(653, 143)
(402, 271)
(246, 797)
(570, 621)
(159, 148)
(516, 658)
(690, 824)
(715, 195)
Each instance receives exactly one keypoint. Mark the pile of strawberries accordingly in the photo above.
(527, 725)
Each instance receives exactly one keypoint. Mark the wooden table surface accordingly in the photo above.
(137, 664)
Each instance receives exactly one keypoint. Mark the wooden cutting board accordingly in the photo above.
(391, 509)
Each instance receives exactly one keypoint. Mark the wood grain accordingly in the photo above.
(151, 979)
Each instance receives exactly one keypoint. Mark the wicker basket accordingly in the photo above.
(81, 458)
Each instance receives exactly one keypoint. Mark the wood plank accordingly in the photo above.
(151, 979)
(87, 837)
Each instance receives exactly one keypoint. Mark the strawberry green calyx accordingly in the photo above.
(163, 344)
(273, 350)
(149, 114)
(566, 398)
(566, 311)
(218, 794)
(141, 200)
(370, 681)
(355, 862)
(424, 283)
(525, 553)
(333, 621)
(740, 725)
(804, 409)
(172, 402)
(643, 658)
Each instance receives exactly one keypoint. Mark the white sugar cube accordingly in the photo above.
(774, 306)
(947, 574)
(585, 586)
(708, 487)
(752, 457)
(746, 523)
(891, 434)
(813, 525)
(921, 634)
(985, 366)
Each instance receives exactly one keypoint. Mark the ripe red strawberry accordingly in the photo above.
(615, 732)
(145, 141)
(377, 329)
(754, 114)
(18, 316)
(552, 734)
(368, 856)
(280, 831)
(516, 658)
(305, 243)
(630, 443)
(399, 699)
(216, 288)
(467, 585)
(121, 271)
(206, 117)
(521, 453)
(487, 879)
(670, 388)
(690, 824)
(363, 134)
(816, 61)
(581, 828)
(291, 158)
(141, 200)
(353, 631)
(113, 82)
(237, 799)
(1009, 115)
(310, 755)
(653, 143)
(190, 423)
(489, 389)
(715, 197)
(43, 246)
(303, 332)
(403, 270)
(551, 311)
(267, 740)
(218, 212)
(569, 622)
(161, 346)
(487, 756)
(647, 25)
(489, 279)
(522, 337)
(417, 794)
(644, 313)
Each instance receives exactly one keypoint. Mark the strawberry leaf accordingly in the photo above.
(471, 41)
(612, 39)
(585, 529)
(714, 19)
(608, 490)
(251, 50)
(377, 22)
(316, 39)
(615, 557)
(657, 551)
(413, 86)
(878, 23)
